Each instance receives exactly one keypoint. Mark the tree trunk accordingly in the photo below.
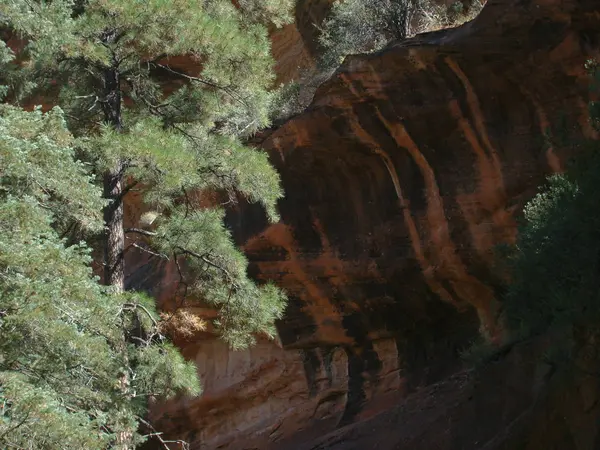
(404, 14)
(114, 237)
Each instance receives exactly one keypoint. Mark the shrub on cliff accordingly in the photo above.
(361, 26)
(364, 26)
(555, 264)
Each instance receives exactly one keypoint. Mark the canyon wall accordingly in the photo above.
(518, 400)
(401, 177)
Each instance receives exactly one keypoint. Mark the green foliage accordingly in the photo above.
(6, 56)
(111, 60)
(433, 16)
(139, 37)
(37, 157)
(555, 263)
(286, 102)
(167, 162)
(362, 26)
(359, 26)
(79, 360)
(246, 309)
(62, 350)
(275, 12)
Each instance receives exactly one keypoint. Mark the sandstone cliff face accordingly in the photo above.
(515, 402)
(405, 172)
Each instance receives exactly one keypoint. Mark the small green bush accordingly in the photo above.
(555, 264)
(362, 26)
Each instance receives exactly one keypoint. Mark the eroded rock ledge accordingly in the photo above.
(405, 172)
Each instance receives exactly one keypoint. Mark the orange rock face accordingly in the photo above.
(294, 45)
(402, 176)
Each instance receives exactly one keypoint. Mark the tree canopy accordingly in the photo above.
(141, 119)
(60, 352)
(80, 356)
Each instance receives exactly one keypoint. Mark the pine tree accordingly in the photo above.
(61, 352)
(141, 122)
(110, 59)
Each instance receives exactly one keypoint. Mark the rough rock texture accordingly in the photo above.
(291, 54)
(294, 46)
(400, 178)
(515, 402)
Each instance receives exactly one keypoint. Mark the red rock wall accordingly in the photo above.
(292, 57)
(515, 402)
(400, 179)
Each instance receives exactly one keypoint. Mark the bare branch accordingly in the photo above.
(187, 202)
(150, 252)
(158, 435)
(79, 119)
(128, 188)
(181, 279)
(142, 341)
(140, 231)
(13, 428)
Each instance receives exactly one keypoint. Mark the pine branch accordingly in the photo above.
(134, 306)
(225, 89)
(209, 262)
